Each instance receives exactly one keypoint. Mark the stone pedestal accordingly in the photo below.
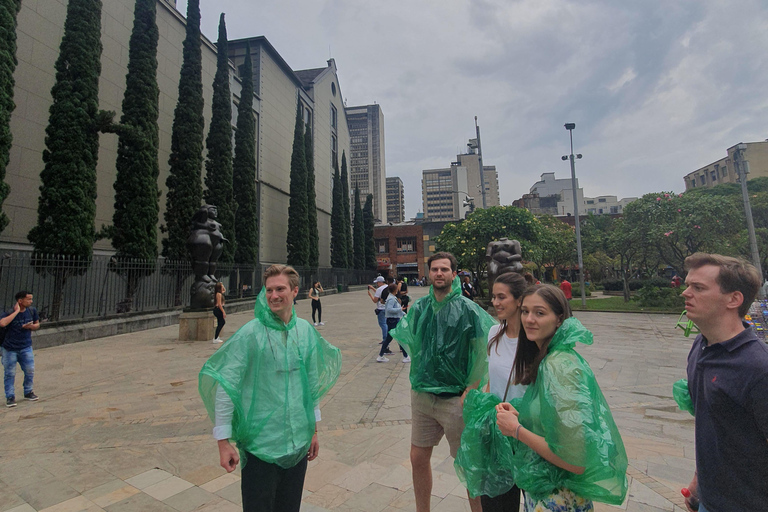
(196, 325)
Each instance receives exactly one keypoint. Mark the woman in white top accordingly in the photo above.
(502, 346)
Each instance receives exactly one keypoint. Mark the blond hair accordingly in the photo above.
(286, 270)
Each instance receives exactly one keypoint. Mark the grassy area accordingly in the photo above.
(617, 304)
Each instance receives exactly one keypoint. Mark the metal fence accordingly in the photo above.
(69, 288)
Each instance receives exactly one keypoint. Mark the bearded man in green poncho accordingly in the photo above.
(446, 335)
(262, 389)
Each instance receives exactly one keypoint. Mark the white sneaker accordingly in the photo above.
(322, 323)
(316, 324)
(382, 359)
(218, 340)
(407, 359)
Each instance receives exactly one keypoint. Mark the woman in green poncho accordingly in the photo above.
(568, 450)
(262, 389)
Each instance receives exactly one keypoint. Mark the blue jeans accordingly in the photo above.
(381, 317)
(27, 362)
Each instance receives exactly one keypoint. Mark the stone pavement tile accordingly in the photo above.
(151, 477)
(329, 497)
(78, 504)
(634, 506)
(373, 498)
(203, 475)
(443, 483)
(406, 501)
(72, 469)
(190, 499)
(398, 478)
(111, 492)
(221, 482)
(308, 507)
(46, 493)
(9, 500)
(26, 507)
(139, 502)
(232, 493)
(324, 472)
(641, 493)
(221, 505)
(452, 504)
(167, 488)
(360, 477)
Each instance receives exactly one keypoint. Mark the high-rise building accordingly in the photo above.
(367, 169)
(395, 200)
(444, 193)
(723, 170)
(471, 161)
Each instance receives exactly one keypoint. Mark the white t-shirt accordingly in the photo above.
(500, 363)
(379, 304)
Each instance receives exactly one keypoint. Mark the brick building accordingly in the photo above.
(400, 250)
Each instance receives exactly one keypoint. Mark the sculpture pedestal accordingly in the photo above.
(196, 325)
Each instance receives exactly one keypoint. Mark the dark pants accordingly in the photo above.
(507, 502)
(269, 488)
(316, 306)
(391, 324)
(219, 314)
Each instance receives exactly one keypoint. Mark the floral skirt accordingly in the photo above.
(560, 501)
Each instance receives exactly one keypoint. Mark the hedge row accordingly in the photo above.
(617, 285)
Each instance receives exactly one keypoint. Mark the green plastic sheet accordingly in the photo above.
(275, 374)
(567, 408)
(682, 395)
(446, 342)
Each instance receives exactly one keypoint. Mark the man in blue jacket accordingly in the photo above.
(17, 346)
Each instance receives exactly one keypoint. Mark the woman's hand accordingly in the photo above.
(507, 419)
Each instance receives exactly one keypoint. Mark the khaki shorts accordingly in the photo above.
(432, 417)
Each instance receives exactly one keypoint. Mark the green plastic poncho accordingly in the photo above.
(446, 342)
(275, 374)
(567, 408)
(682, 396)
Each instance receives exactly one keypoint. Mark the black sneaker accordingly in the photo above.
(31, 396)
(10, 402)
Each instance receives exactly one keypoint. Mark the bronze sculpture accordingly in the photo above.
(503, 256)
(205, 243)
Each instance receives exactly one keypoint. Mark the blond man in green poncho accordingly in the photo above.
(262, 389)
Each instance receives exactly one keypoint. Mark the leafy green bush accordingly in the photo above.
(576, 290)
(653, 296)
(616, 285)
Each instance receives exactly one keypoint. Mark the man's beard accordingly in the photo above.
(447, 286)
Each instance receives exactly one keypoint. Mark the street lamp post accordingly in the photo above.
(741, 165)
(570, 127)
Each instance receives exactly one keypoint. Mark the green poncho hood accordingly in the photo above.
(446, 341)
(567, 408)
(275, 374)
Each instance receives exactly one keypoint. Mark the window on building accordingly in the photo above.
(406, 245)
(334, 149)
(614, 209)
(591, 201)
(714, 175)
(601, 200)
(334, 117)
(382, 246)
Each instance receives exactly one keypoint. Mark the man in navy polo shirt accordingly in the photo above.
(17, 346)
(728, 383)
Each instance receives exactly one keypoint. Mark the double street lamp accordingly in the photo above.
(570, 127)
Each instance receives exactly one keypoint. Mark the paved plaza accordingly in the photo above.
(120, 426)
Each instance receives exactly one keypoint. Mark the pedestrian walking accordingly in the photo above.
(374, 293)
(218, 311)
(262, 389)
(568, 450)
(393, 311)
(17, 346)
(567, 289)
(317, 307)
(445, 335)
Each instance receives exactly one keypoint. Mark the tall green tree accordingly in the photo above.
(338, 244)
(297, 240)
(368, 242)
(347, 212)
(67, 206)
(184, 185)
(218, 166)
(358, 234)
(8, 11)
(134, 222)
(244, 171)
(314, 237)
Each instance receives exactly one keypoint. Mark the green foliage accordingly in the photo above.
(576, 290)
(186, 161)
(359, 234)
(244, 171)
(134, 222)
(314, 236)
(297, 240)
(338, 244)
(616, 285)
(347, 214)
(369, 243)
(67, 204)
(556, 243)
(653, 296)
(8, 11)
(218, 176)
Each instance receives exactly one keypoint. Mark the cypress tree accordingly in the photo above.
(8, 11)
(347, 213)
(369, 242)
(359, 234)
(186, 161)
(338, 247)
(314, 237)
(67, 206)
(134, 222)
(218, 166)
(297, 241)
(244, 171)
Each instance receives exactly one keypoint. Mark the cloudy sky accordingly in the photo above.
(657, 88)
